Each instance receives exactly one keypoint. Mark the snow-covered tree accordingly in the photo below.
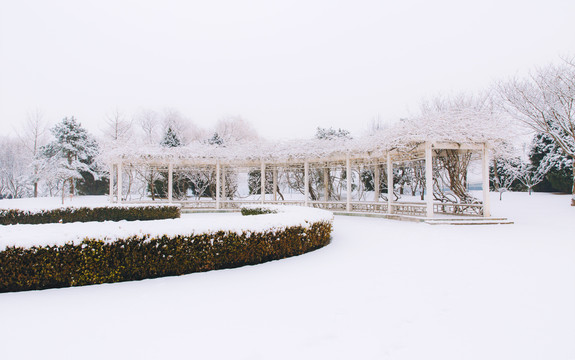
(14, 170)
(33, 135)
(545, 101)
(71, 155)
(331, 134)
(216, 139)
(171, 139)
(117, 127)
(462, 116)
(148, 124)
(235, 129)
(185, 130)
(545, 152)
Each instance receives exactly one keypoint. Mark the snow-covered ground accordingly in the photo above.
(382, 290)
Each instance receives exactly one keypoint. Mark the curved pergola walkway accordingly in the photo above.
(297, 160)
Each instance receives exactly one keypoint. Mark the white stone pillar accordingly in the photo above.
(111, 192)
(263, 181)
(429, 179)
(389, 184)
(306, 181)
(170, 182)
(348, 180)
(119, 182)
(326, 183)
(485, 175)
(376, 182)
(223, 185)
(218, 184)
(275, 182)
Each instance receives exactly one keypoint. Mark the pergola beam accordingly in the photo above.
(456, 146)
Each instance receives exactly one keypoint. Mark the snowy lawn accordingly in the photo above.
(382, 290)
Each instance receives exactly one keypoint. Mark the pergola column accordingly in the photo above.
(389, 184)
(376, 182)
(263, 181)
(429, 179)
(485, 176)
(326, 183)
(119, 182)
(306, 182)
(170, 182)
(348, 174)
(218, 185)
(223, 184)
(111, 183)
(275, 182)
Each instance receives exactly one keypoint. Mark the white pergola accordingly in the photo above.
(316, 153)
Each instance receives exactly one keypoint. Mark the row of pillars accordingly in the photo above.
(220, 180)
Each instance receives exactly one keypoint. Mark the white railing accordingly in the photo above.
(458, 209)
(401, 208)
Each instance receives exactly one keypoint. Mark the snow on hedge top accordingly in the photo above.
(33, 205)
(27, 236)
(460, 126)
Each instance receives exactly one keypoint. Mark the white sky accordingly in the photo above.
(286, 66)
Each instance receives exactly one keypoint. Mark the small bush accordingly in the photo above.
(257, 211)
(94, 261)
(85, 214)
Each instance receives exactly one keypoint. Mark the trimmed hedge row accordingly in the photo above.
(85, 214)
(257, 211)
(135, 258)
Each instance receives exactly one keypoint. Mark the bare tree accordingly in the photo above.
(117, 127)
(14, 172)
(235, 129)
(149, 123)
(33, 135)
(451, 165)
(183, 127)
(545, 101)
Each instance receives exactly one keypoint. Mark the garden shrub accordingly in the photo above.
(95, 261)
(257, 210)
(85, 214)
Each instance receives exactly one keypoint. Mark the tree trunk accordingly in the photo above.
(495, 175)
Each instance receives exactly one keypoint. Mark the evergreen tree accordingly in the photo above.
(71, 156)
(559, 176)
(216, 139)
(171, 139)
(331, 134)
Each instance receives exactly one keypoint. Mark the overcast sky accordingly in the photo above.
(286, 66)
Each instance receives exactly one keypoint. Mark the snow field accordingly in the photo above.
(382, 290)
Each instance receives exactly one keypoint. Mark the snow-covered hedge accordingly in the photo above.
(96, 260)
(258, 209)
(86, 214)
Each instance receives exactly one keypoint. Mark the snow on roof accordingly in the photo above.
(462, 126)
